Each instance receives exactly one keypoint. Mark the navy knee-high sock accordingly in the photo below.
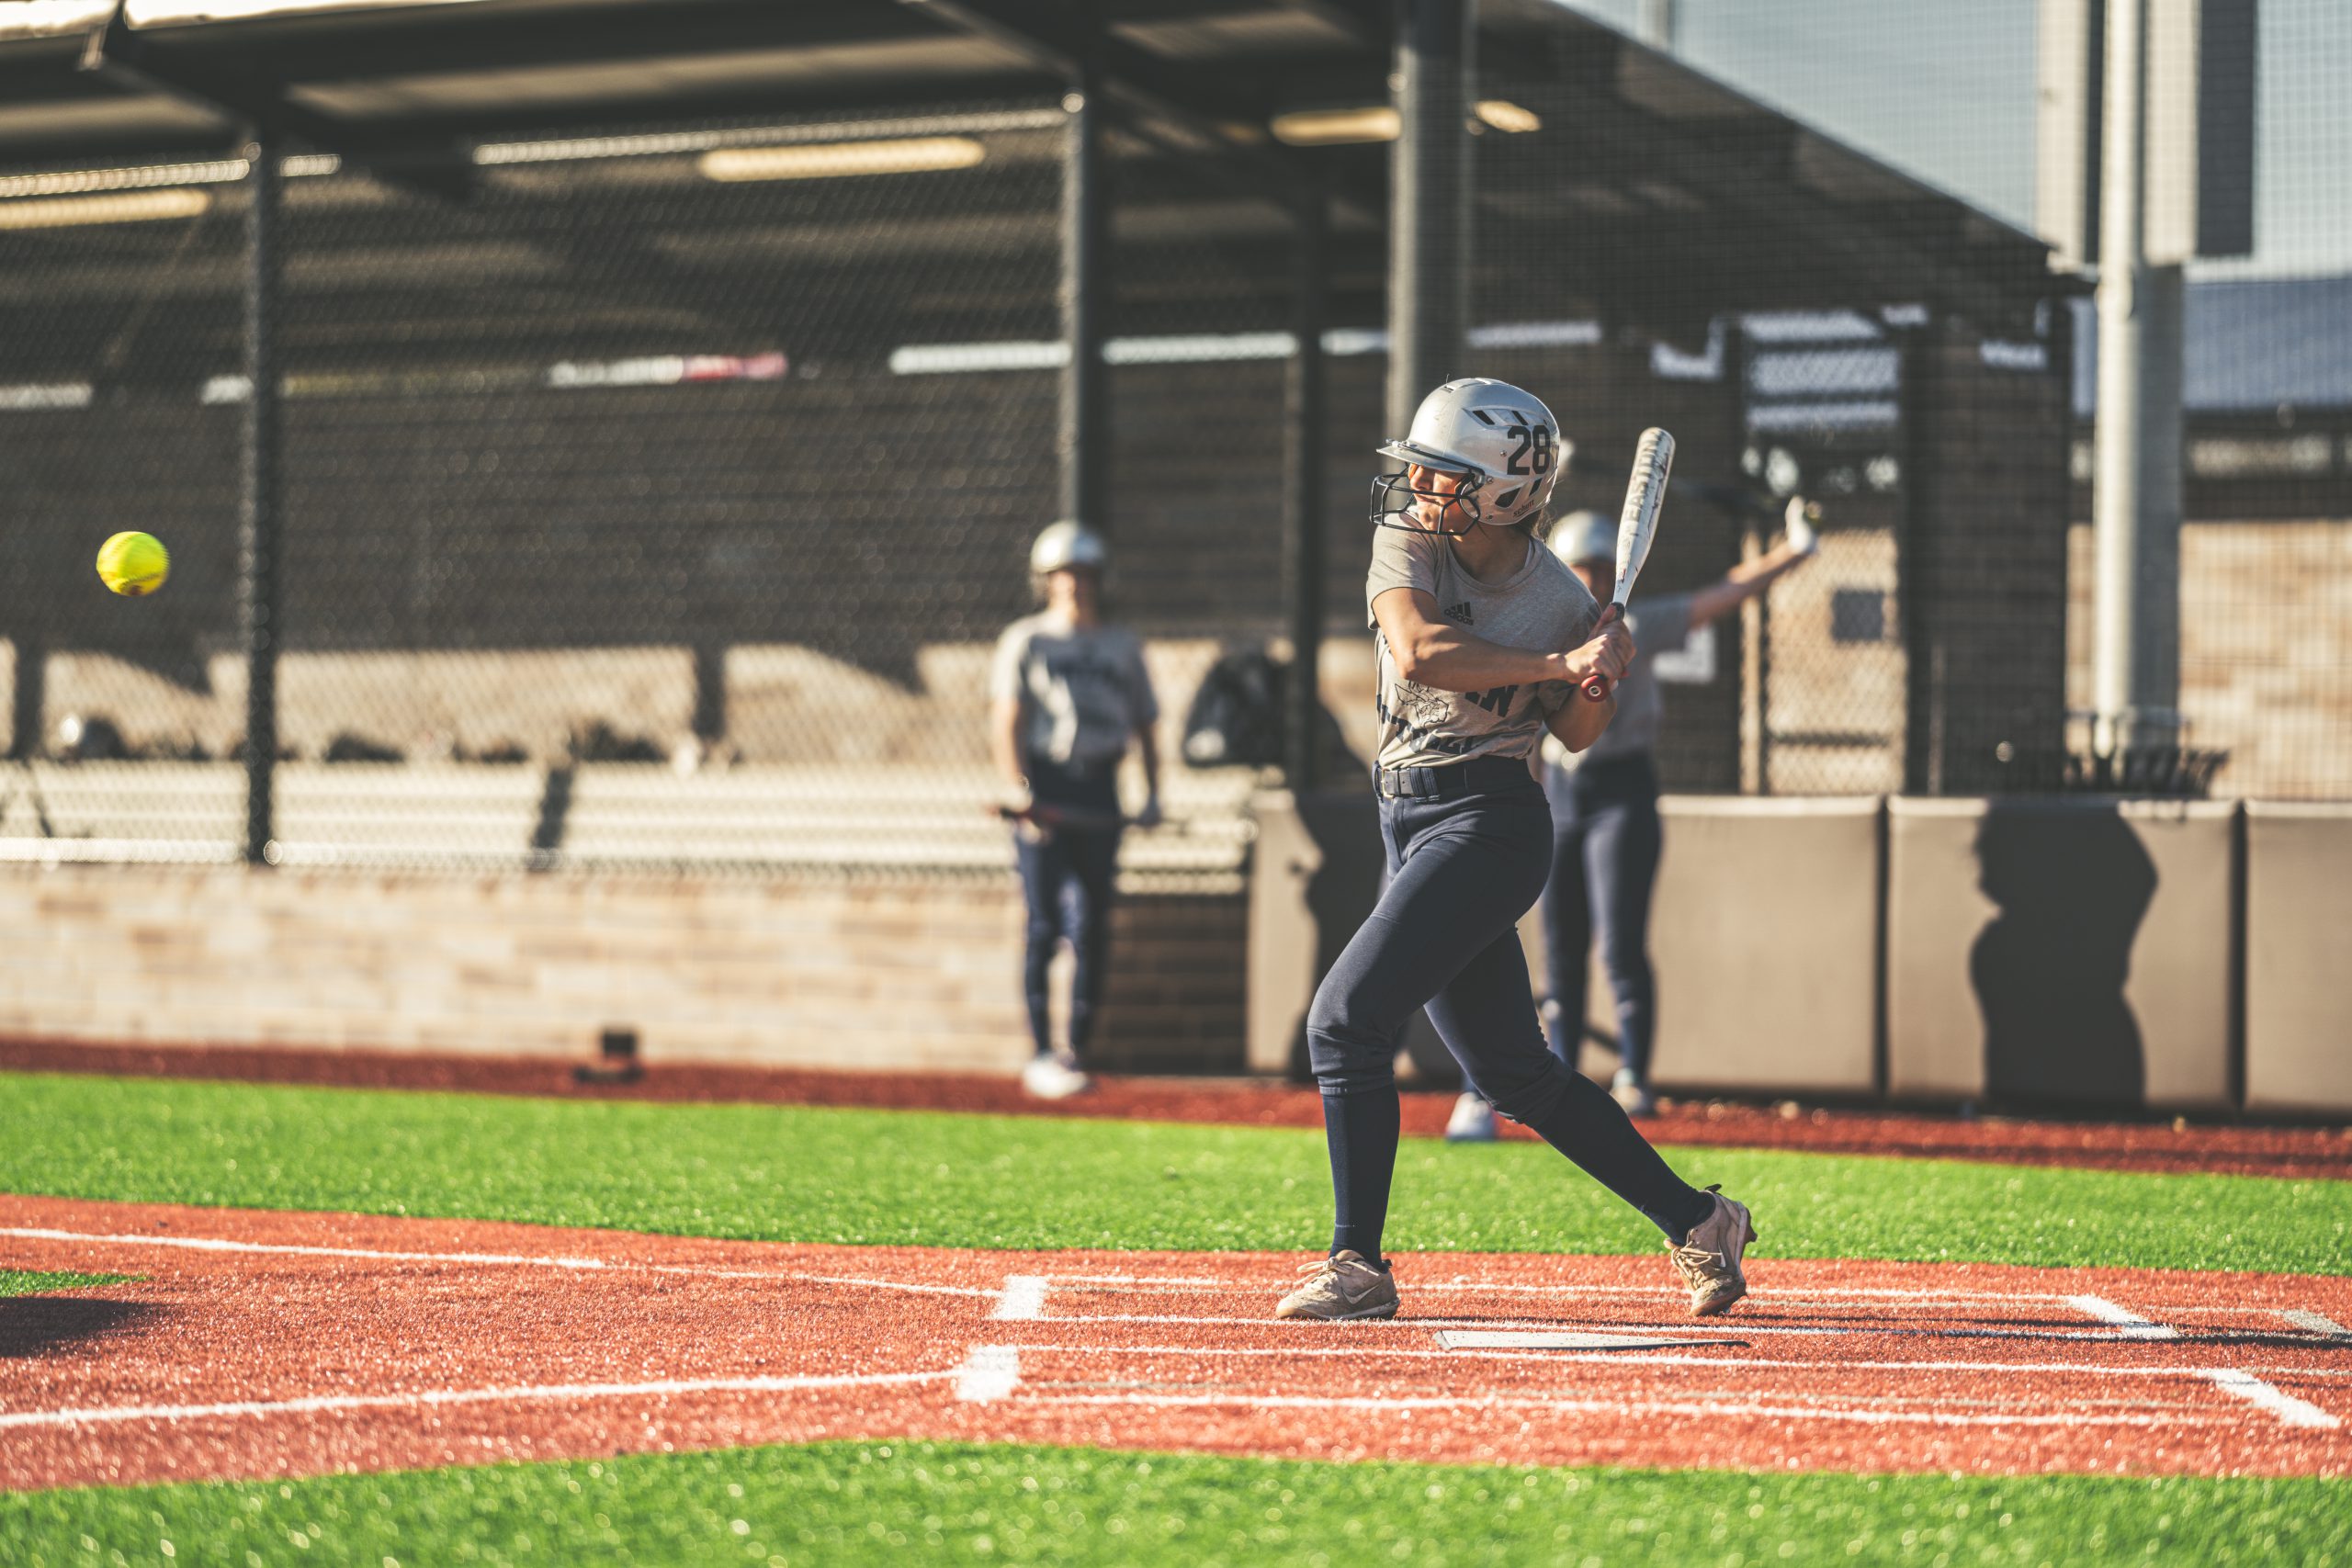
(1591, 1129)
(1360, 1130)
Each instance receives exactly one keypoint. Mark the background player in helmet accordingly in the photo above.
(1605, 831)
(1069, 695)
(1484, 640)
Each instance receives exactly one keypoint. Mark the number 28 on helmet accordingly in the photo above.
(1500, 445)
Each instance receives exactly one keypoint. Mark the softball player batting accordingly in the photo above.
(1070, 693)
(1485, 639)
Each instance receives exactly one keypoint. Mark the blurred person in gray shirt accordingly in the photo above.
(1606, 836)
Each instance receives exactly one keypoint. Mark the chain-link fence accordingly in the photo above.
(653, 498)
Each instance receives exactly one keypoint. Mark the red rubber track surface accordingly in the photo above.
(2324, 1152)
(265, 1344)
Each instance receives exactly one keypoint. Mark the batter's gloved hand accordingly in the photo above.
(1800, 520)
(1150, 816)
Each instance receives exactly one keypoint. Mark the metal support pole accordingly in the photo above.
(2135, 490)
(1303, 500)
(1428, 230)
(1083, 438)
(257, 524)
(1922, 769)
(29, 678)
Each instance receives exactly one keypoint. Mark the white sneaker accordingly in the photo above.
(1633, 1094)
(1341, 1288)
(1054, 1078)
(1473, 1121)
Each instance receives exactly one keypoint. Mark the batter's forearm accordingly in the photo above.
(1578, 722)
(1450, 660)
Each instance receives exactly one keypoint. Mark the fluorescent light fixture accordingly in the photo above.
(47, 395)
(150, 13)
(1506, 116)
(128, 207)
(1336, 128)
(148, 177)
(1380, 122)
(835, 160)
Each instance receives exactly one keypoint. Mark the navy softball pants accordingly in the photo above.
(1605, 846)
(1067, 875)
(1443, 935)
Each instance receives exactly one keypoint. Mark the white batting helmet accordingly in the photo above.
(1582, 536)
(1501, 440)
(1065, 546)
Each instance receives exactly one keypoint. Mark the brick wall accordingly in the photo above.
(2265, 620)
(900, 974)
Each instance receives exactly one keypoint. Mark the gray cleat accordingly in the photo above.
(1340, 1288)
(1709, 1258)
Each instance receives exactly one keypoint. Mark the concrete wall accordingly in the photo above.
(903, 974)
(1764, 937)
(2297, 934)
(2060, 952)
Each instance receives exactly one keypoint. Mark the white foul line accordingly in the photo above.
(2316, 1323)
(2133, 1326)
(989, 1373)
(212, 1244)
(1023, 1299)
(2289, 1410)
(433, 1398)
(515, 1259)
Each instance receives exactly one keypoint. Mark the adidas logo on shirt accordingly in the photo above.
(1459, 613)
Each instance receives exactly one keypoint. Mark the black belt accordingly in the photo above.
(1478, 775)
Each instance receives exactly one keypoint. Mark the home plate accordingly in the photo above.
(1547, 1340)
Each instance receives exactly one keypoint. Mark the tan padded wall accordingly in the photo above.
(1764, 935)
(2298, 939)
(2102, 976)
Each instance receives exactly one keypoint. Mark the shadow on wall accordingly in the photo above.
(2048, 969)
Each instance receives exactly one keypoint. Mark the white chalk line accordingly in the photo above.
(1022, 1300)
(1737, 1329)
(1650, 1359)
(2290, 1411)
(1707, 1408)
(499, 1260)
(439, 1398)
(987, 1374)
(1463, 1282)
(2133, 1326)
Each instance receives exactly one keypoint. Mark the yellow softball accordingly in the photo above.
(132, 564)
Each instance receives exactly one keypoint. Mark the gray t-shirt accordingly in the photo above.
(1082, 693)
(1659, 625)
(1541, 605)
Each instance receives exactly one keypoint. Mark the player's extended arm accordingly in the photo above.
(1004, 742)
(1748, 578)
(1147, 742)
(1432, 652)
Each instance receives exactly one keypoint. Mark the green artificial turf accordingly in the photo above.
(797, 1174)
(874, 1502)
(33, 1282)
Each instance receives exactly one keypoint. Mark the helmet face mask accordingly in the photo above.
(1397, 503)
(1500, 441)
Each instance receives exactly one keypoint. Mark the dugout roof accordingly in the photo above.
(1631, 186)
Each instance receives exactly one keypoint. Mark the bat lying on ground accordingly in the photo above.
(1636, 527)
